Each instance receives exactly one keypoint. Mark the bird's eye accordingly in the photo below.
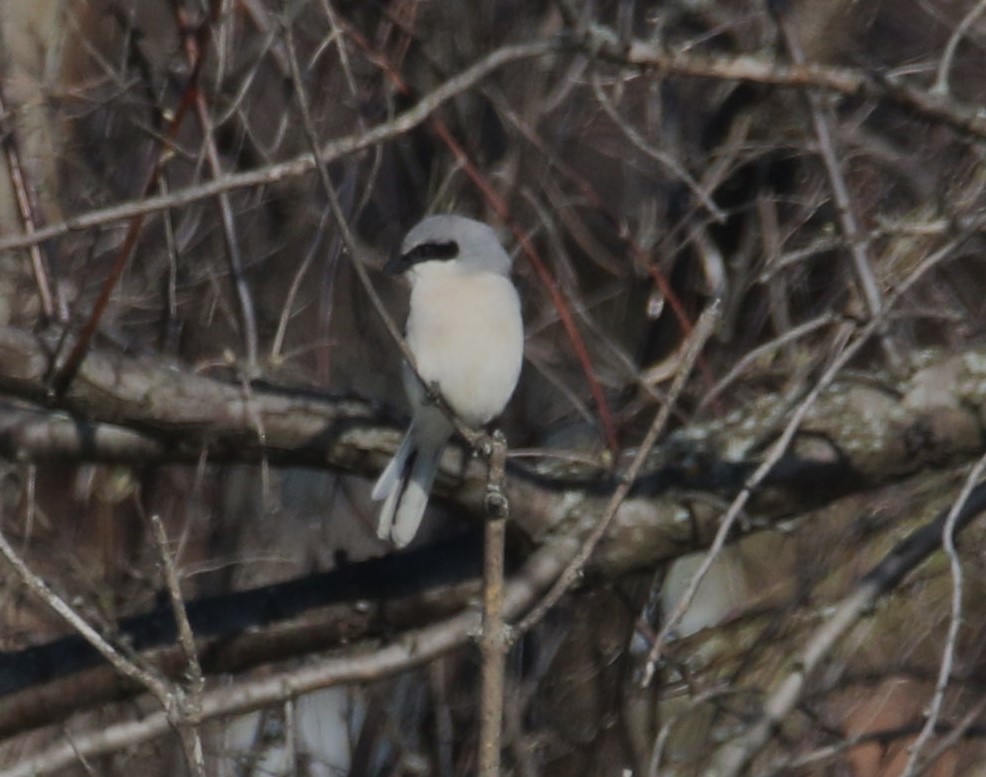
(432, 251)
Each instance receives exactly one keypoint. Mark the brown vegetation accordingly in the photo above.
(747, 447)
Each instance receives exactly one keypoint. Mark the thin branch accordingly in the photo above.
(493, 643)
(963, 117)
(288, 310)
(757, 354)
(27, 208)
(499, 205)
(663, 158)
(848, 218)
(780, 446)
(704, 329)
(186, 639)
(188, 722)
(303, 163)
(171, 698)
(76, 622)
(959, 730)
(907, 555)
(349, 241)
(954, 621)
(63, 373)
(948, 56)
(408, 650)
(194, 51)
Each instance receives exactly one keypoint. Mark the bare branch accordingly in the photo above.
(855, 239)
(733, 756)
(188, 723)
(410, 649)
(299, 165)
(75, 621)
(778, 448)
(184, 411)
(700, 336)
(28, 210)
(948, 56)
(247, 315)
(494, 641)
(954, 621)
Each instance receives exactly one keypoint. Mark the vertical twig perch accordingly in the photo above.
(493, 645)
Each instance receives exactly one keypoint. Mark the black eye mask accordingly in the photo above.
(435, 251)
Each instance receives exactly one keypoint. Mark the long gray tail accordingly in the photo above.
(404, 486)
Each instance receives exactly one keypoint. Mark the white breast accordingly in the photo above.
(466, 333)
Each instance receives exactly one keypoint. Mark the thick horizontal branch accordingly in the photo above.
(857, 434)
(365, 601)
(33, 434)
(140, 408)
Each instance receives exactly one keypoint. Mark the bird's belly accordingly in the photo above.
(466, 335)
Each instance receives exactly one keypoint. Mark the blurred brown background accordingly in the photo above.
(647, 192)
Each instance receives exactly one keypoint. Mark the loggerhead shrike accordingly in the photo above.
(465, 331)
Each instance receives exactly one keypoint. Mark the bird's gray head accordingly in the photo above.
(451, 238)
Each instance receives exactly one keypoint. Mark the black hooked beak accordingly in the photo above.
(396, 265)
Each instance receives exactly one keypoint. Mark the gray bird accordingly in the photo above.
(465, 331)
